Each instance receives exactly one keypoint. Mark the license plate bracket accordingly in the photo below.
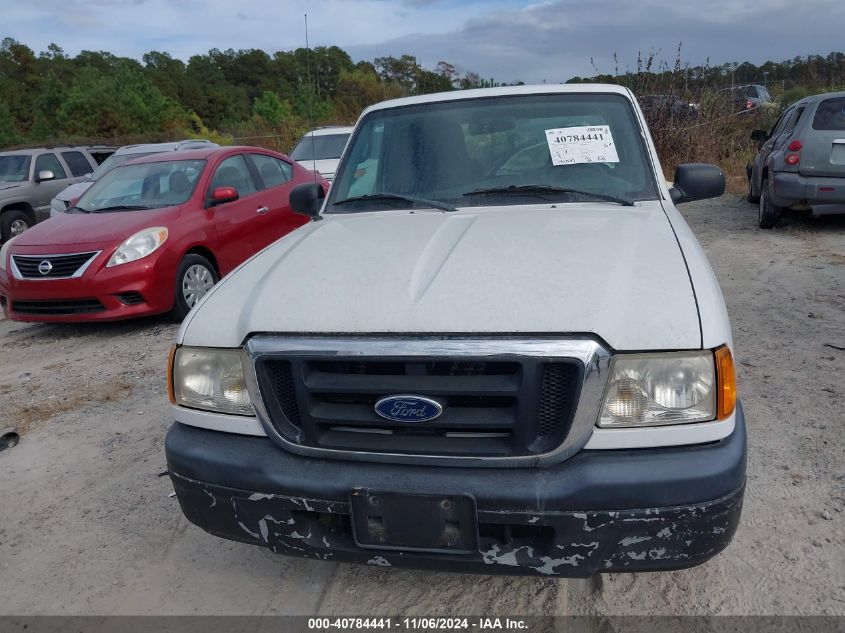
(414, 522)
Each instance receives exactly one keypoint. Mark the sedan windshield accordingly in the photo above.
(143, 186)
(14, 168)
(115, 160)
(320, 147)
(509, 150)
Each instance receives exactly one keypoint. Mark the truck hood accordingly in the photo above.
(616, 272)
(9, 185)
(72, 192)
(326, 167)
(92, 228)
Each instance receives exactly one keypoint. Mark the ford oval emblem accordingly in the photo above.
(408, 408)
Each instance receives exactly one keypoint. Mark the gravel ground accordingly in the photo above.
(87, 525)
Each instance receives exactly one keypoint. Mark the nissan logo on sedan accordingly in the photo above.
(408, 408)
(45, 267)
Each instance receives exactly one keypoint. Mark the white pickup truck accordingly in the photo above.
(497, 348)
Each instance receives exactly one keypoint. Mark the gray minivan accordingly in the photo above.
(800, 165)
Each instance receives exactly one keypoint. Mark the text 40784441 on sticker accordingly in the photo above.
(581, 144)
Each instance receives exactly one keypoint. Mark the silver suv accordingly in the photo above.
(30, 178)
(800, 165)
(71, 194)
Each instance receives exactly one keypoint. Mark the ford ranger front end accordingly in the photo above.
(497, 348)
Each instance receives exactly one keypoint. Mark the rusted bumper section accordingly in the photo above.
(601, 511)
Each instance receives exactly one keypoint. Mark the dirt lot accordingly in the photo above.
(87, 524)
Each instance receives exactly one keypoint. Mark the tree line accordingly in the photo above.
(788, 78)
(255, 97)
(99, 97)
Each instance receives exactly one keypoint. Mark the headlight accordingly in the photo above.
(4, 253)
(139, 246)
(660, 389)
(210, 379)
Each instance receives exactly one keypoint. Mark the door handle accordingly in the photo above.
(262, 210)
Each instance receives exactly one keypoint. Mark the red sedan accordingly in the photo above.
(152, 236)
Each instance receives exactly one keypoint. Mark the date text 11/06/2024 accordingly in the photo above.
(418, 624)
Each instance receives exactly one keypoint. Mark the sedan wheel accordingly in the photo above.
(196, 282)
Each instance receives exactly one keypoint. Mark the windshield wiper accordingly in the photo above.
(75, 208)
(541, 189)
(400, 197)
(123, 207)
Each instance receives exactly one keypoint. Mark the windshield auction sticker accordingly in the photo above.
(583, 144)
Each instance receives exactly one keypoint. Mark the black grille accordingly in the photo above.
(130, 298)
(279, 374)
(554, 398)
(62, 307)
(496, 408)
(61, 265)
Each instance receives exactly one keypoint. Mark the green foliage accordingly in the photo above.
(20, 80)
(8, 133)
(118, 101)
(358, 89)
(248, 95)
(271, 110)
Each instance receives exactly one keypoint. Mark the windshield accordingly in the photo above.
(493, 151)
(320, 147)
(14, 168)
(115, 160)
(144, 186)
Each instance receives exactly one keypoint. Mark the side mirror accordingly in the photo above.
(697, 181)
(307, 199)
(761, 136)
(221, 195)
(45, 174)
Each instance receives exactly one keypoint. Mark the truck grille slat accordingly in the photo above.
(433, 385)
(354, 414)
(500, 407)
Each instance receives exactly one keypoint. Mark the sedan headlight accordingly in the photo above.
(4, 253)
(138, 246)
(210, 379)
(660, 389)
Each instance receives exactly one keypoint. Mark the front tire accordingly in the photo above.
(13, 223)
(768, 214)
(196, 276)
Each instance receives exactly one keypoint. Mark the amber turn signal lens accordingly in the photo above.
(726, 380)
(170, 357)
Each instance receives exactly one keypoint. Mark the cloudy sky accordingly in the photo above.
(533, 41)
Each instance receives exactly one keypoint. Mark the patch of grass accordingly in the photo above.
(32, 414)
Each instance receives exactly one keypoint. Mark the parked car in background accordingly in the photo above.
(320, 149)
(498, 348)
(748, 98)
(800, 165)
(151, 236)
(668, 109)
(71, 194)
(30, 178)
